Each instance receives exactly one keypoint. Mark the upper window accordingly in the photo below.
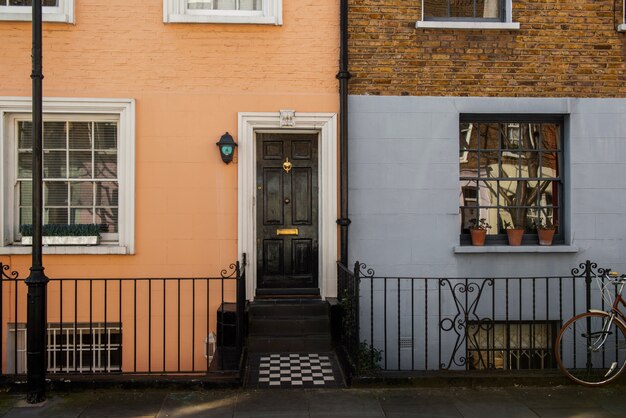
(223, 11)
(88, 173)
(467, 14)
(511, 175)
(52, 11)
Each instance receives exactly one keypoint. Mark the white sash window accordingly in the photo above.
(52, 11)
(268, 12)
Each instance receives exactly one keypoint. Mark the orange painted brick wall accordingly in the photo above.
(563, 49)
(189, 82)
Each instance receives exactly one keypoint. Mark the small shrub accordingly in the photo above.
(63, 230)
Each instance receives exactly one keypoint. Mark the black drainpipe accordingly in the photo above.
(343, 75)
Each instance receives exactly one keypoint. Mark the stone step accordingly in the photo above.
(297, 309)
(289, 344)
(280, 326)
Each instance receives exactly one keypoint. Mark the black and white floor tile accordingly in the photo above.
(293, 370)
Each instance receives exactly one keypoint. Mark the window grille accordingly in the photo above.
(71, 348)
(511, 346)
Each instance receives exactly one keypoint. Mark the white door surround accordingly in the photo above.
(325, 125)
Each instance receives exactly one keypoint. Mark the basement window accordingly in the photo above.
(514, 345)
(72, 348)
(53, 10)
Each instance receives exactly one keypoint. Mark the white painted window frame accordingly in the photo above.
(124, 110)
(325, 124)
(175, 11)
(507, 24)
(622, 26)
(63, 13)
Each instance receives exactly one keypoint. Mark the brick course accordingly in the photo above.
(563, 49)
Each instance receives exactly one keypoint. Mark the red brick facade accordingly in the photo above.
(562, 49)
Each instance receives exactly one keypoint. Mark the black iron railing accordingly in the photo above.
(130, 325)
(419, 323)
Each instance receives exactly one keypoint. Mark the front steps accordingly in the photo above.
(289, 326)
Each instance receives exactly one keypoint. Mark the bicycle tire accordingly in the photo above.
(586, 365)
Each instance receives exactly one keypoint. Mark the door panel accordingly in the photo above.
(287, 219)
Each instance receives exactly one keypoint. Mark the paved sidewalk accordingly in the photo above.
(565, 401)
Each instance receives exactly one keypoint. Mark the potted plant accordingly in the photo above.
(63, 234)
(545, 231)
(514, 234)
(478, 231)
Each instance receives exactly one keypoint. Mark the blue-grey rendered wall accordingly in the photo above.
(404, 187)
(404, 206)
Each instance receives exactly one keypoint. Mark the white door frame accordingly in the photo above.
(325, 124)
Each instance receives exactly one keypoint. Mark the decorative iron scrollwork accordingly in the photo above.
(466, 312)
(13, 275)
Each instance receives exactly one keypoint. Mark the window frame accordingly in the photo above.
(123, 110)
(529, 238)
(505, 22)
(622, 26)
(63, 13)
(175, 11)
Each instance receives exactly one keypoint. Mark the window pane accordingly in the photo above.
(488, 164)
(26, 215)
(549, 165)
(530, 135)
(469, 164)
(55, 215)
(225, 4)
(54, 165)
(25, 135)
(54, 135)
(55, 193)
(518, 193)
(106, 194)
(105, 135)
(529, 164)
(510, 164)
(468, 136)
(26, 193)
(81, 216)
(106, 164)
(80, 135)
(107, 217)
(25, 165)
(489, 135)
(516, 217)
(551, 135)
(548, 192)
(80, 164)
(488, 193)
(81, 193)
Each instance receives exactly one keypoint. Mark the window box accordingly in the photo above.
(60, 11)
(88, 240)
(472, 14)
(259, 12)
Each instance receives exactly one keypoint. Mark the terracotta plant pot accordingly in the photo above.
(515, 236)
(478, 236)
(545, 236)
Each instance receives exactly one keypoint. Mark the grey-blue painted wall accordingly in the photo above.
(404, 187)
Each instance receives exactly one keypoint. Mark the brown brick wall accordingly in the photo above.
(564, 48)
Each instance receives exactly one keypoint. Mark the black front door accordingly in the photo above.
(287, 213)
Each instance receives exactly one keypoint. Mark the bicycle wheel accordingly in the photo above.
(589, 350)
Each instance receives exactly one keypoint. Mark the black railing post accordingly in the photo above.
(37, 281)
(588, 271)
(241, 300)
(355, 332)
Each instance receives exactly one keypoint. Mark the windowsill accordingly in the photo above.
(102, 249)
(46, 17)
(431, 24)
(621, 28)
(548, 249)
(232, 19)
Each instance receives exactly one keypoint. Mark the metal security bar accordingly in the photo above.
(425, 323)
(129, 325)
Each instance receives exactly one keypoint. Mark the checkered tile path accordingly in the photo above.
(293, 370)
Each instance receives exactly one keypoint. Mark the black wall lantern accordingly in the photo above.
(227, 146)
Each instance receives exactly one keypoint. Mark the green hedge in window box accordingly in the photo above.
(63, 234)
